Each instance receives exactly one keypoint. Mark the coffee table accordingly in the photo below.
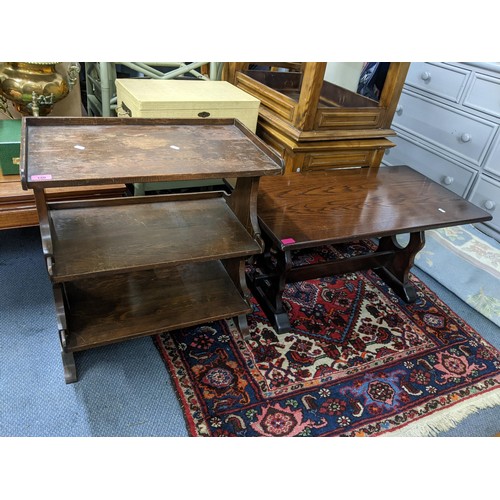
(312, 209)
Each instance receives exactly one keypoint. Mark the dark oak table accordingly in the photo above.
(312, 209)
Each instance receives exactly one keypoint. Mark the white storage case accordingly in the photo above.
(185, 99)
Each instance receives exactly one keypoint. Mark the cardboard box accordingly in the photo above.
(10, 141)
(145, 98)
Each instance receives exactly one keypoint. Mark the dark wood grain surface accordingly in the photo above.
(17, 206)
(79, 151)
(139, 233)
(338, 205)
(126, 306)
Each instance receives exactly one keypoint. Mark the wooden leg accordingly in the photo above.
(396, 273)
(269, 286)
(275, 313)
(242, 324)
(236, 270)
(69, 365)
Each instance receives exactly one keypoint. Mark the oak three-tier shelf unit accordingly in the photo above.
(127, 267)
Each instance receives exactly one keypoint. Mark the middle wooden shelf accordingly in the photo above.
(92, 238)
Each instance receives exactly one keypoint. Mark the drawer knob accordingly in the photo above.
(489, 204)
(204, 114)
(399, 109)
(448, 180)
(465, 137)
(426, 76)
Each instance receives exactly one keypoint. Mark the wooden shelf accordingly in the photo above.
(139, 233)
(126, 306)
(127, 267)
(139, 150)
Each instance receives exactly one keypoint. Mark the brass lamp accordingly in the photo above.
(34, 87)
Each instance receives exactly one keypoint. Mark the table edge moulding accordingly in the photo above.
(127, 267)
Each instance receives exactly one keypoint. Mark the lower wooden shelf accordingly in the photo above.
(126, 306)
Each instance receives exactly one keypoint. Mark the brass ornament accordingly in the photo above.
(34, 87)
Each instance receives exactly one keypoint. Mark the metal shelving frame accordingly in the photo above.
(100, 79)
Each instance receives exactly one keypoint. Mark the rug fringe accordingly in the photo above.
(445, 420)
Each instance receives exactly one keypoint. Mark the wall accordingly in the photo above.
(344, 74)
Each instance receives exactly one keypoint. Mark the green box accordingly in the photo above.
(10, 145)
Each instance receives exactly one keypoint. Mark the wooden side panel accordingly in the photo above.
(280, 104)
(348, 118)
(337, 159)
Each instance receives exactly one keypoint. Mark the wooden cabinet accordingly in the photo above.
(129, 267)
(448, 126)
(315, 124)
(18, 208)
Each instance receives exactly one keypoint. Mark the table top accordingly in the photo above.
(314, 208)
(72, 151)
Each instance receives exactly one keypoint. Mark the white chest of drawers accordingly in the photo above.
(448, 126)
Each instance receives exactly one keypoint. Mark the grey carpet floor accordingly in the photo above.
(123, 389)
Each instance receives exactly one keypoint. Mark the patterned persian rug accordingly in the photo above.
(358, 362)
